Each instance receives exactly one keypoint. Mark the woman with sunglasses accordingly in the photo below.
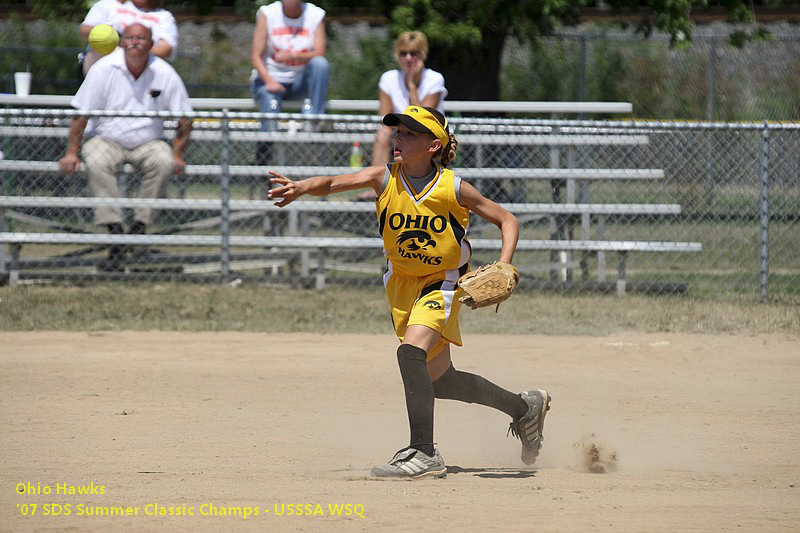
(411, 84)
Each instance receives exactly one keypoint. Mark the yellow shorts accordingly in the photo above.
(430, 301)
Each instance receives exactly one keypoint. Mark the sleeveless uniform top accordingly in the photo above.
(423, 231)
(289, 34)
(160, 21)
(393, 83)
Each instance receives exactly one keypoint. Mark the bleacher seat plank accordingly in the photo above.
(306, 171)
(334, 242)
(318, 206)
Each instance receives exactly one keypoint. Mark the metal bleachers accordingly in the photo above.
(297, 247)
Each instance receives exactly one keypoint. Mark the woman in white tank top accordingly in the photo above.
(288, 56)
(122, 13)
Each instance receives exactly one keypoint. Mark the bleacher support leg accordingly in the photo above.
(622, 281)
(601, 256)
(305, 253)
(556, 231)
(320, 277)
(586, 227)
(3, 246)
(13, 273)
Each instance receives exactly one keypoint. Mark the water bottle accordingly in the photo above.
(306, 110)
(356, 156)
(272, 125)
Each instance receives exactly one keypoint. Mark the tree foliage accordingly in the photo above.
(467, 36)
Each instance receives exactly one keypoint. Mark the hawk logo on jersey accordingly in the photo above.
(433, 305)
(416, 240)
(413, 244)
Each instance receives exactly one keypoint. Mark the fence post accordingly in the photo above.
(764, 207)
(582, 72)
(712, 80)
(225, 197)
(710, 115)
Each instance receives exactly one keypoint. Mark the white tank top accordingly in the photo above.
(393, 83)
(120, 16)
(289, 34)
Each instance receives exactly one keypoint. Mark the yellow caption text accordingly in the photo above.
(209, 509)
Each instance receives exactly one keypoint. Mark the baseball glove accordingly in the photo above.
(489, 285)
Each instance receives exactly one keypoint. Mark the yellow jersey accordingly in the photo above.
(423, 231)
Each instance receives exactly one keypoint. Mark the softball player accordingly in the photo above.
(423, 216)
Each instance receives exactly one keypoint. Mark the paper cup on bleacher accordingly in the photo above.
(22, 83)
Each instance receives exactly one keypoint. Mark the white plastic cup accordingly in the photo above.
(22, 83)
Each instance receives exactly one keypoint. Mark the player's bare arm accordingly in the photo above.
(289, 190)
(494, 213)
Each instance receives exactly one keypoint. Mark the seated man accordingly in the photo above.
(128, 79)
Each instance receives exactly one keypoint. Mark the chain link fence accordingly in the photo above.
(708, 209)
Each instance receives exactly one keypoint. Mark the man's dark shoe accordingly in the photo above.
(115, 262)
(139, 251)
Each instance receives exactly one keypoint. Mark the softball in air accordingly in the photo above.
(103, 39)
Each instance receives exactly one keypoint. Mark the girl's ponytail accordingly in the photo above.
(448, 154)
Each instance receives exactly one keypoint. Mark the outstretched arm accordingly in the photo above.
(509, 226)
(289, 190)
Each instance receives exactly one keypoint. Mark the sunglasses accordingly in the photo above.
(412, 53)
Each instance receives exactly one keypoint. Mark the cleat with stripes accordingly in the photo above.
(410, 463)
(529, 428)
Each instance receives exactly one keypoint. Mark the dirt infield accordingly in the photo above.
(647, 432)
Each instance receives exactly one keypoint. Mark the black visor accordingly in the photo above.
(393, 119)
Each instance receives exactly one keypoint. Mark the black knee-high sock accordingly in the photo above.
(419, 396)
(465, 387)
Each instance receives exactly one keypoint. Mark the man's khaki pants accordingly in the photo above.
(103, 159)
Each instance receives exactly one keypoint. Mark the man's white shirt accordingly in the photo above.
(109, 85)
